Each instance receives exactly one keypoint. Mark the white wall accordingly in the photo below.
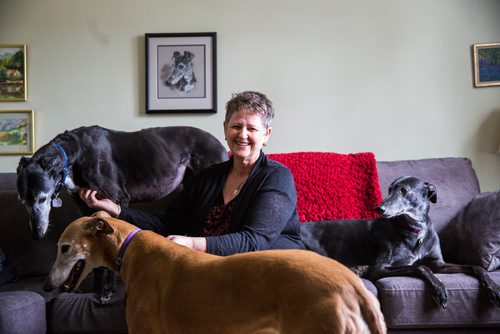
(390, 76)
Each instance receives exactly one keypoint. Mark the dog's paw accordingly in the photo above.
(440, 295)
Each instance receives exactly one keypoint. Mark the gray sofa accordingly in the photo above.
(405, 301)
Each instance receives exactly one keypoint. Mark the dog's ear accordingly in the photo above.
(101, 214)
(431, 192)
(22, 164)
(189, 55)
(99, 225)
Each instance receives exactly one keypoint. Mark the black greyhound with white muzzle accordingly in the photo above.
(123, 166)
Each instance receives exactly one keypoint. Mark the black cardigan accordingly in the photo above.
(264, 216)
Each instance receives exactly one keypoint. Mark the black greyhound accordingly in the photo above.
(123, 166)
(401, 242)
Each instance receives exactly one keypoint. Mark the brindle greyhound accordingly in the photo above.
(173, 289)
(123, 166)
(402, 241)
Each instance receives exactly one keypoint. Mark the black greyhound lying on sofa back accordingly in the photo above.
(402, 241)
(123, 166)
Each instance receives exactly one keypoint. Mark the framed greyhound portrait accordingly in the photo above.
(486, 64)
(17, 134)
(181, 73)
(13, 80)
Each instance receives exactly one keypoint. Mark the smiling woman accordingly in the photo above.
(244, 204)
(247, 128)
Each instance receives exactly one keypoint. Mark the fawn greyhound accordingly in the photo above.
(402, 241)
(173, 289)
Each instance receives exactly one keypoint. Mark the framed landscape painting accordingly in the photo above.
(486, 64)
(13, 80)
(181, 73)
(17, 132)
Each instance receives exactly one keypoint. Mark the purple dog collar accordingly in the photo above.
(119, 260)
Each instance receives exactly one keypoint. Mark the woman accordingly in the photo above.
(245, 204)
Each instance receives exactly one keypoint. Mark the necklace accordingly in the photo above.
(238, 187)
(240, 183)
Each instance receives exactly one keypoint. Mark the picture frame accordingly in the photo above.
(181, 72)
(13, 73)
(486, 59)
(17, 132)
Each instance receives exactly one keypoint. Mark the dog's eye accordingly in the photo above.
(64, 248)
(42, 199)
(403, 191)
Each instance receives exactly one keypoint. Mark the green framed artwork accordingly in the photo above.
(486, 64)
(17, 132)
(13, 79)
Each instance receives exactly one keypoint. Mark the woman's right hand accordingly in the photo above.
(89, 196)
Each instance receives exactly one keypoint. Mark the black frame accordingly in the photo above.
(163, 95)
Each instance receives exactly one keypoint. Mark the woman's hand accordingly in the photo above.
(199, 244)
(89, 196)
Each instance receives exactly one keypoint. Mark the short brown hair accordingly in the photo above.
(253, 101)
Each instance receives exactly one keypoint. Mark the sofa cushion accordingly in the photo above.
(407, 303)
(83, 313)
(28, 256)
(476, 231)
(7, 271)
(22, 312)
(332, 185)
(455, 180)
(8, 181)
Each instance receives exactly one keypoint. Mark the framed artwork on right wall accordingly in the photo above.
(486, 64)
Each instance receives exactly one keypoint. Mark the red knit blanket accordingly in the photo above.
(333, 186)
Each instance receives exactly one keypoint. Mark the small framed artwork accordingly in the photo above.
(13, 79)
(486, 64)
(17, 132)
(181, 74)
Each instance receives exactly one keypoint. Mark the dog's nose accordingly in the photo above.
(48, 287)
(380, 209)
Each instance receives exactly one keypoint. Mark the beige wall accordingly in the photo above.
(391, 77)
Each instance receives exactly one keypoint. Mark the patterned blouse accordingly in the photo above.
(218, 221)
